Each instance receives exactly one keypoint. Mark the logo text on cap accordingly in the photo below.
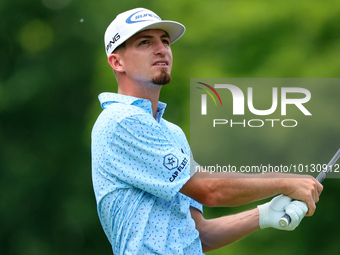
(114, 39)
(141, 17)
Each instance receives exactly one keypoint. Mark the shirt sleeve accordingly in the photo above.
(195, 204)
(140, 154)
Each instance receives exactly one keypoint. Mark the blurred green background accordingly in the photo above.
(53, 66)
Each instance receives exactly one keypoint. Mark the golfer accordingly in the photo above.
(147, 200)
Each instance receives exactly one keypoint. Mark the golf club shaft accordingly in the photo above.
(285, 220)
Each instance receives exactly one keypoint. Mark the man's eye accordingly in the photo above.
(143, 42)
(166, 42)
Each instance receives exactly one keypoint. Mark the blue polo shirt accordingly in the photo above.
(139, 164)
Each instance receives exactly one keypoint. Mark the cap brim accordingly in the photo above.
(173, 28)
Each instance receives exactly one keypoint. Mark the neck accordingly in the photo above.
(148, 91)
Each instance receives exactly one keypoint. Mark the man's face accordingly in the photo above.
(147, 57)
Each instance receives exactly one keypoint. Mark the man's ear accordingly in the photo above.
(116, 62)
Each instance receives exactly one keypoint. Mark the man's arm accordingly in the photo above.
(219, 232)
(233, 189)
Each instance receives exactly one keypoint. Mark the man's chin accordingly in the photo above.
(162, 79)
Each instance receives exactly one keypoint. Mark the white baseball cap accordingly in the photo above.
(133, 21)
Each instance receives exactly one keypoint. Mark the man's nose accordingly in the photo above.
(160, 48)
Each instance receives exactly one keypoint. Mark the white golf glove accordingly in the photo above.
(271, 212)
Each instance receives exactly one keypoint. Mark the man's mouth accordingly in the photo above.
(161, 63)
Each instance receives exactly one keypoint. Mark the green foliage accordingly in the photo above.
(53, 66)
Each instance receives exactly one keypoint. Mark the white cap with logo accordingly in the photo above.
(133, 21)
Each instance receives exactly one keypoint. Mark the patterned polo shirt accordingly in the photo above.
(139, 164)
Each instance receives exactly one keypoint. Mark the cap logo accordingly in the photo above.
(135, 18)
(114, 39)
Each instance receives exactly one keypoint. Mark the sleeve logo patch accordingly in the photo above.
(170, 161)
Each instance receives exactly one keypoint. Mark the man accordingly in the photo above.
(142, 206)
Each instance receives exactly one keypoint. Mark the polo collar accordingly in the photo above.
(108, 98)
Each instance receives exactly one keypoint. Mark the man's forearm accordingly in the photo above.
(238, 191)
(219, 232)
(229, 189)
(233, 189)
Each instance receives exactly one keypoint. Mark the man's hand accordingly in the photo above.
(271, 212)
(306, 189)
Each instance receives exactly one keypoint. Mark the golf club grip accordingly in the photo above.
(285, 219)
